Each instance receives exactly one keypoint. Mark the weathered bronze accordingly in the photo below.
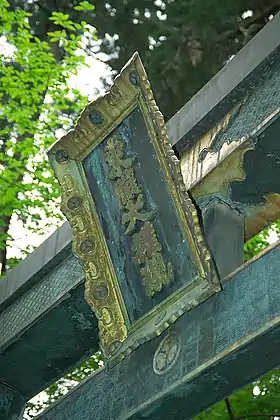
(135, 282)
(147, 253)
(146, 249)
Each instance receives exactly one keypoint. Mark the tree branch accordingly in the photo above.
(4, 228)
(229, 410)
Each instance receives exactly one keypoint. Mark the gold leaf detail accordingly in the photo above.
(146, 251)
(91, 269)
(106, 316)
(114, 155)
(126, 188)
(67, 183)
(133, 214)
(78, 224)
(114, 96)
(146, 248)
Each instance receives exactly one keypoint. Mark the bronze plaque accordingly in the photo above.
(136, 230)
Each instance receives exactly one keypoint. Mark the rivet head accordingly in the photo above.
(100, 292)
(74, 203)
(96, 117)
(134, 78)
(86, 246)
(61, 156)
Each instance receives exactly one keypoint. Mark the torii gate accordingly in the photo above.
(227, 140)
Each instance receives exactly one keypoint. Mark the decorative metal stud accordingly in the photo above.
(100, 292)
(74, 203)
(61, 156)
(86, 246)
(134, 78)
(96, 117)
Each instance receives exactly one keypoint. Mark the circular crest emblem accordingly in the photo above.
(166, 354)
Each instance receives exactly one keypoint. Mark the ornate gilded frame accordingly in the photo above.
(117, 337)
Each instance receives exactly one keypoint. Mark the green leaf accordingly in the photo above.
(84, 5)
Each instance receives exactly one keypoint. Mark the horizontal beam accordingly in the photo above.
(55, 343)
(237, 330)
(38, 300)
(36, 266)
(46, 331)
(242, 168)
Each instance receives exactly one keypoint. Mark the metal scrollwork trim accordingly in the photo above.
(101, 291)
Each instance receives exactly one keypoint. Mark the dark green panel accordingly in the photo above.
(259, 100)
(262, 168)
(49, 348)
(11, 403)
(236, 333)
(150, 178)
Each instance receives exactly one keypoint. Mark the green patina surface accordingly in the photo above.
(209, 362)
(50, 347)
(258, 175)
(261, 98)
(150, 179)
(261, 166)
(257, 172)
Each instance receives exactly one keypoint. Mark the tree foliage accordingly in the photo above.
(183, 43)
(257, 401)
(36, 101)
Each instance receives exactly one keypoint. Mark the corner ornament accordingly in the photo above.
(135, 229)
